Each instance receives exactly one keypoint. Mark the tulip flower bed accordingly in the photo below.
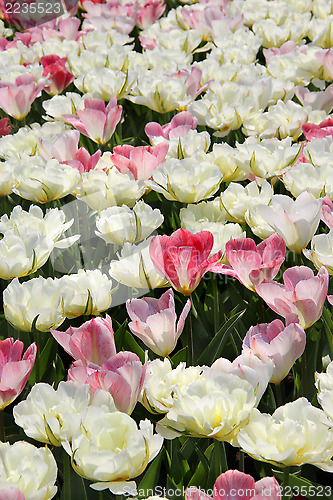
(166, 247)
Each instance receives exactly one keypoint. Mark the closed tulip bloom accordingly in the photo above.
(277, 342)
(92, 342)
(232, 484)
(296, 434)
(327, 211)
(154, 321)
(57, 73)
(252, 264)
(96, 121)
(296, 221)
(302, 294)
(183, 258)
(122, 375)
(14, 371)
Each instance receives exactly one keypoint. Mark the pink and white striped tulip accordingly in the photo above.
(252, 264)
(96, 121)
(140, 161)
(147, 14)
(302, 294)
(154, 321)
(122, 375)
(14, 371)
(92, 342)
(277, 342)
(235, 485)
(16, 98)
(325, 128)
(183, 258)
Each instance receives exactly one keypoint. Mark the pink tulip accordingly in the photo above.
(316, 100)
(326, 58)
(235, 485)
(96, 121)
(149, 13)
(330, 299)
(154, 321)
(179, 126)
(14, 371)
(311, 130)
(183, 258)
(252, 264)
(56, 71)
(92, 342)
(282, 344)
(11, 493)
(140, 161)
(302, 294)
(5, 129)
(16, 98)
(327, 212)
(122, 376)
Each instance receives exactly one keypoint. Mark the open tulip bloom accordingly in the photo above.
(183, 258)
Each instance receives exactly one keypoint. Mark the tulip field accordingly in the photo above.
(166, 249)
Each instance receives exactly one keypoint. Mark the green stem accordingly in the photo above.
(262, 310)
(299, 259)
(216, 304)
(278, 392)
(241, 461)
(37, 361)
(189, 339)
(2, 426)
(67, 476)
(303, 374)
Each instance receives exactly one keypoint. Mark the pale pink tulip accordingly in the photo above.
(154, 321)
(96, 121)
(330, 299)
(183, 258)
(14, 371)
(327, 212)
(252, 264)
(140, 161)
(277, 342)
(122, 376)
(311, 130)
(302, 294)
(235, 485)
(16, 98)
(179, 126)
(316, 100)
(92, 342)
(11, 493)
(149, 13)
(326, 58)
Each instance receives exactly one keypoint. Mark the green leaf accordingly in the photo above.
(214, 349)
(151, 477)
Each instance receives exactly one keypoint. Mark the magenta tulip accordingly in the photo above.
(183, 258)
(14, 371)
(277, 342)
(122, 376)
(252, 264)
(302, 294)
(235, 485)
(92, 342)
(154, 321)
